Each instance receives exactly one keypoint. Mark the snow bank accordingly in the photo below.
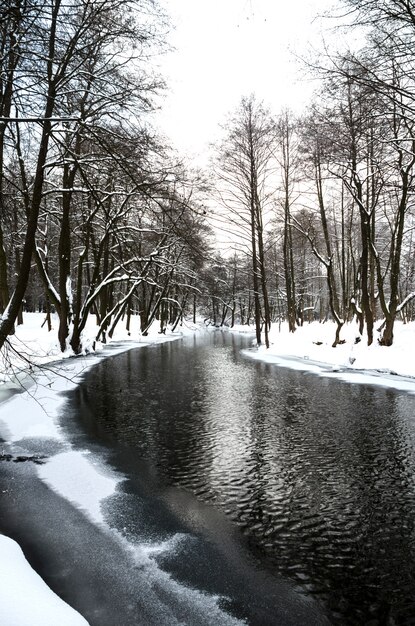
(33, 344)
(24, 597)
(310, 348)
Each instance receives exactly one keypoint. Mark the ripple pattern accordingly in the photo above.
(318, 474)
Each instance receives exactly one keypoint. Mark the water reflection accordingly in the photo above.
(317, 473)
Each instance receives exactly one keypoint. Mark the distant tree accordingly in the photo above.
(287, 156)
(244, 167)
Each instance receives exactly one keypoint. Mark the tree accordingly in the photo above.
(15, 21)
(386, 67)
(81, 69)
(244, 169)
(287, 157)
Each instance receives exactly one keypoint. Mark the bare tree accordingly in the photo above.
(287, 156)
(81, 69)
(245, 164)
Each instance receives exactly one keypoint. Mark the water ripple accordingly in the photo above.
(317, 473)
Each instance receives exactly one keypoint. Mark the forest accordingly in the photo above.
(99, 215)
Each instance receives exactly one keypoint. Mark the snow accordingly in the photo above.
(310, 349)
(24, 597)
(85, 481)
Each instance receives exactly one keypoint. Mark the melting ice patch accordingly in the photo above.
(80, 478)
(26, 416)
(201, 608)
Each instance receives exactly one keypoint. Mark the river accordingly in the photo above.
(300, 482)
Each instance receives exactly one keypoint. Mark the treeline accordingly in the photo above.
(97, 215)
(321, 206)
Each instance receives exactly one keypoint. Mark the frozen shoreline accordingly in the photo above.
(310, 349)
(33, 414)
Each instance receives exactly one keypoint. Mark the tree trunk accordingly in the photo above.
(12, 309)
(4, 287)
(65, 289)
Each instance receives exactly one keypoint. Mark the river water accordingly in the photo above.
(315, 477)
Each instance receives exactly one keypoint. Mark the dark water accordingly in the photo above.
(318, 475)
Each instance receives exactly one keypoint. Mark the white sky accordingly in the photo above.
(226, 49)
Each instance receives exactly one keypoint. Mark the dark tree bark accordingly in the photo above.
(285, 141)
(244, 168)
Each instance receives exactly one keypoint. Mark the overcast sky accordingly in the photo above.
(225, 49)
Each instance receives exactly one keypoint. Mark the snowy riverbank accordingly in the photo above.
(310, 349)
(34, 414)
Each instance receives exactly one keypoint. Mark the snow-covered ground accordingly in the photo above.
(24, 597)
(310, 348)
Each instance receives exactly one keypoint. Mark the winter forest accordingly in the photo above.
(100, 216)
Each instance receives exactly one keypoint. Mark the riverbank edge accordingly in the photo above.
(310, 350)
(17, 577)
